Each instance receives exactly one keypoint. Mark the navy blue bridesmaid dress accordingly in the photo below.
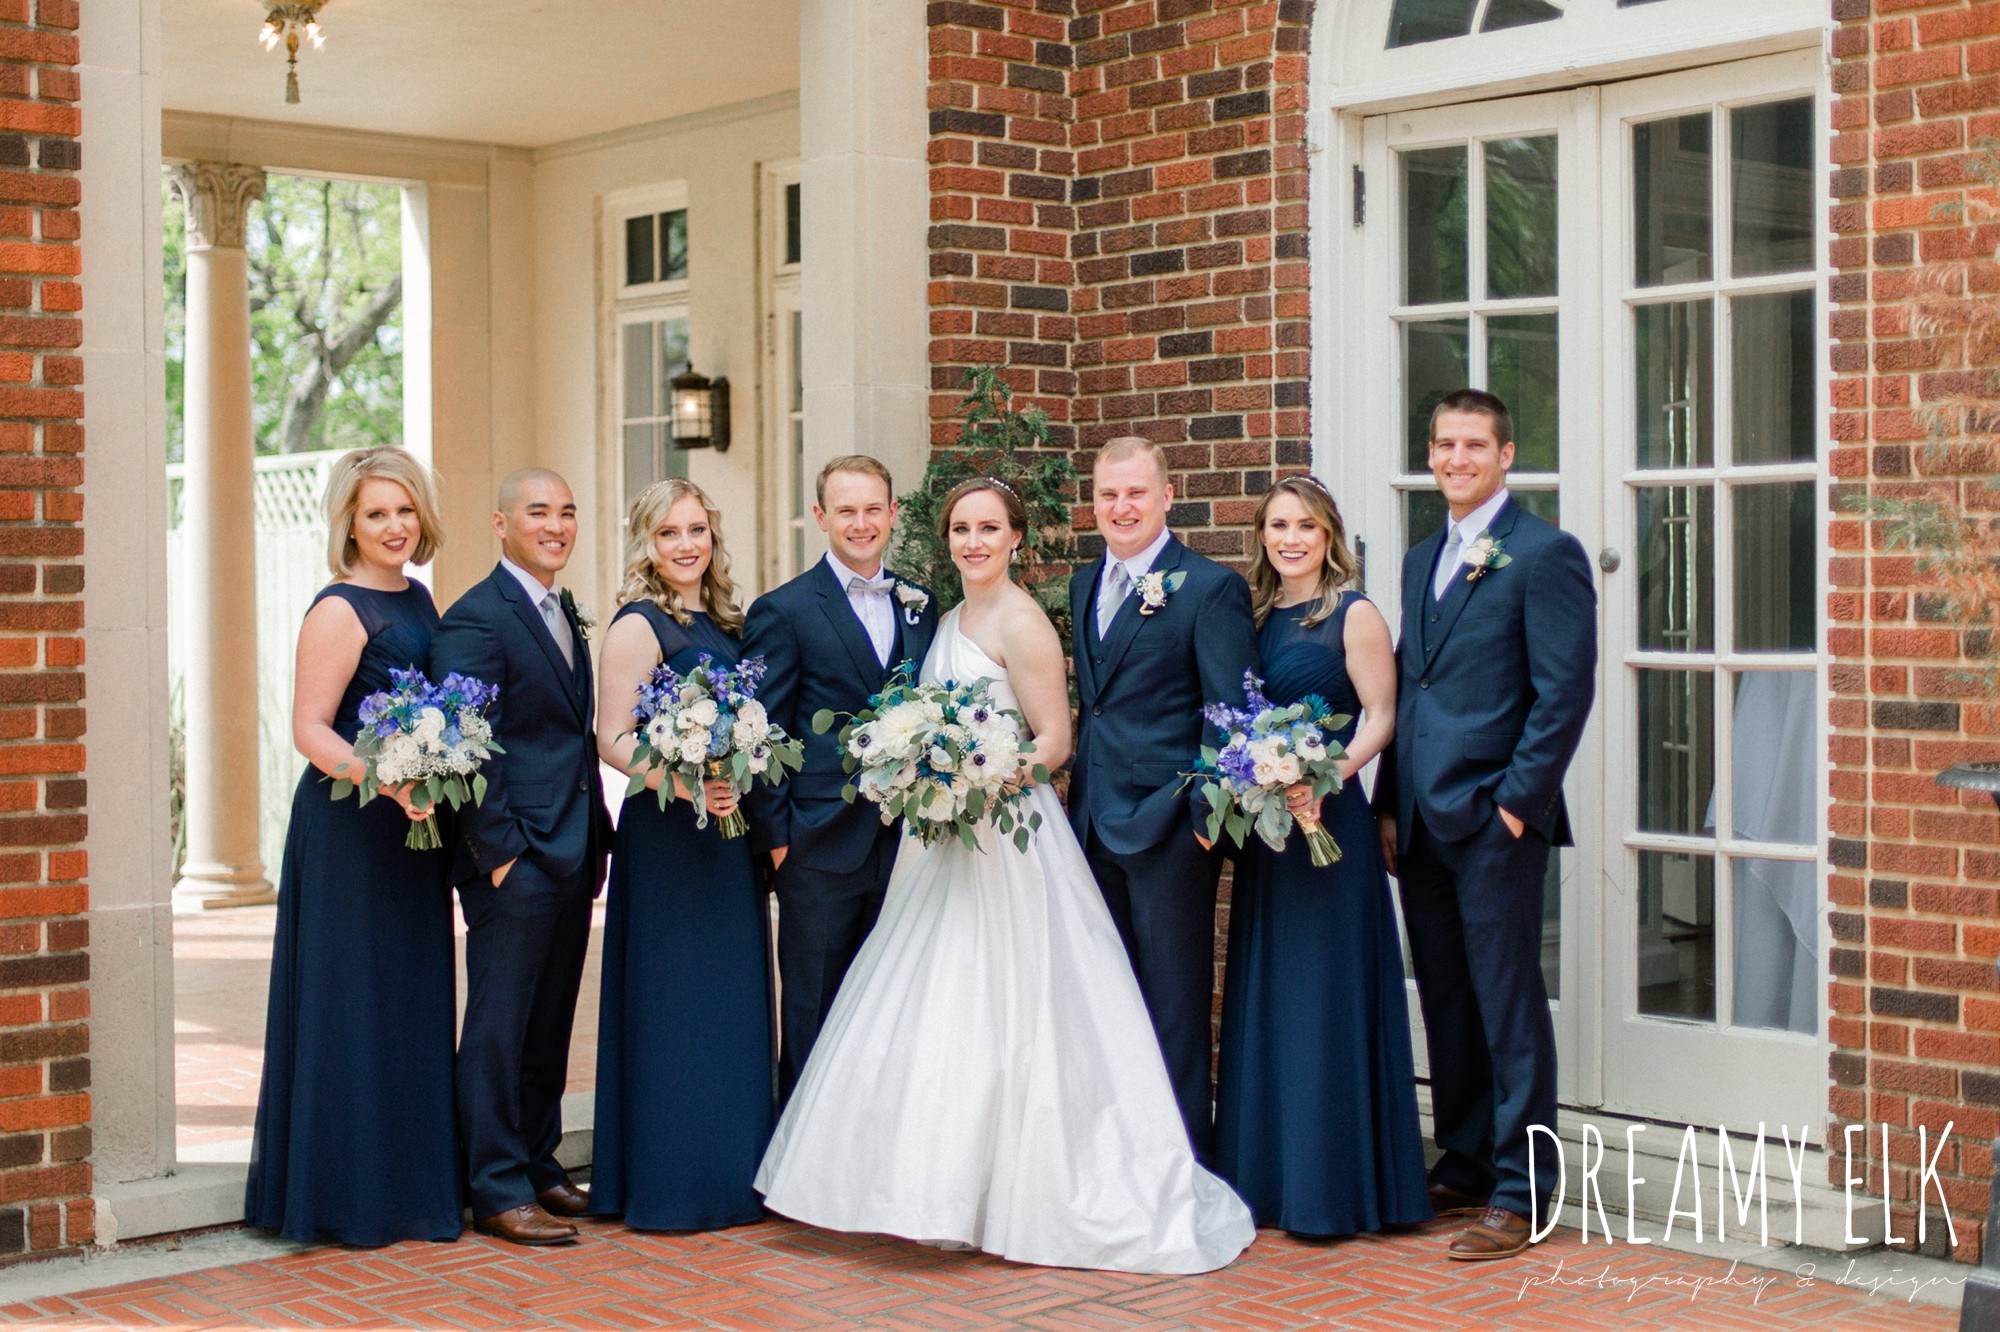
(356, 1140)
(684, 1060)
(1316, 1109)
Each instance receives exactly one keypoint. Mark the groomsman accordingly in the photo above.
(1498, 665)
(529, 859)
(1159, 632)
(830, 638)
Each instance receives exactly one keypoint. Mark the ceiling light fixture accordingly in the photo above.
(287, 23)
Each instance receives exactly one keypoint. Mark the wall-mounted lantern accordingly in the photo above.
(700, 411)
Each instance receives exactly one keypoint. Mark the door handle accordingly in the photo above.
(1608, 559)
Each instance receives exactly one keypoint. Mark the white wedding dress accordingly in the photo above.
(988, 1075)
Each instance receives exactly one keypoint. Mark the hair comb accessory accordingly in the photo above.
(998, 484)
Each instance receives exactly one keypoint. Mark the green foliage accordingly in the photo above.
(1012, 446)
(325, 261)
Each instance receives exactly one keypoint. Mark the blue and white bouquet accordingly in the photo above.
(1267, 749)
(429, 737)
(705, 726)
(944, 758)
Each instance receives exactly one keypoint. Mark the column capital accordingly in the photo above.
(218, 196)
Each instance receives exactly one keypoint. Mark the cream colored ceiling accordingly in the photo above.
(520, 72)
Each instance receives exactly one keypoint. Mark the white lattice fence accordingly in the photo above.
(291, 569)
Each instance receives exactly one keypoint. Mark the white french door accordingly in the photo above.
(1712, 680)
(1475, 278)
(1634, 269)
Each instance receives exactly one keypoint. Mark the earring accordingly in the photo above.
(1014, 556)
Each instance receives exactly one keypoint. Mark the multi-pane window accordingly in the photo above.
(652, 338)
(1479, 307)
(1722, 298)
(652, 350)
(656, 248)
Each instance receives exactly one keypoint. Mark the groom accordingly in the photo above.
(830, 638)
(530, 858)
(1158, 632)
(1497, 666)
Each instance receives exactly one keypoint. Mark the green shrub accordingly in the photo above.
(1011, 446)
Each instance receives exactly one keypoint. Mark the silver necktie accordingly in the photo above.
(558, 624)
(1113, 598)
(1447, 563)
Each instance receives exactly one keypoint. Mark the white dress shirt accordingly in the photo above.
(549, 602)
(873, 599)
(1467, 530)
(1135, 569)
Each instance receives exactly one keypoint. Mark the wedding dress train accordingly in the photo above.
(988, 1075)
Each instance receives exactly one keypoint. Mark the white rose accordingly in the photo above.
(694, 747)
(748, 734)
(703, 711)
(753, 712)
(1288, 769)
(429, 730)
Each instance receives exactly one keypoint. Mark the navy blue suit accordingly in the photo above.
(1495, 683)
(1142, 687)
(526, 939)
(817, 655)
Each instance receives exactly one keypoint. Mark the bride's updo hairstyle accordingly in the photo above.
(1341, 571)
(1017, 516)
(642, 580)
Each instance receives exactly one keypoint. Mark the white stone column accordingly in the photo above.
(223, 867)
(863, 136)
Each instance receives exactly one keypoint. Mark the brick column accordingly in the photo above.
(45, 1175)
(1916, 886)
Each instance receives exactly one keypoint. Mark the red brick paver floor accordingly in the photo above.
(795, 1279)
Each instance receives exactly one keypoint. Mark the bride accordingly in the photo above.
(988, 1077)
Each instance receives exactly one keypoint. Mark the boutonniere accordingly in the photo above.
(1485, 553)
(913, 600)
(1156, 587)
(579, 614)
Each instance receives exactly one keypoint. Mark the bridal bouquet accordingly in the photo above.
(1267, 748)
(945, 758)
(705, 726)
(429, 737)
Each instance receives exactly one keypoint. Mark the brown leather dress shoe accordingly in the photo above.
(526, 1224)
(565, 1199)
(1447, 1201)
(1498, 1234)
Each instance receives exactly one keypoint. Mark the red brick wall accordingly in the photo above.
(1119, 214)
(1916, 887)
(45, 1175)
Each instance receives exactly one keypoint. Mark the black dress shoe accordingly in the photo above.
(526, 1224)
(565, 1199)
(1447, 1201)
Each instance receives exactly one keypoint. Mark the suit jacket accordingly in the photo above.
(1494, 684)
(1141, 689)
(544, 797)
(817, 655)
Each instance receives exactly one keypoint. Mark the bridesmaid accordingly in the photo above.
(1316, 1111)
(355, 1138)
(684, 1091)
